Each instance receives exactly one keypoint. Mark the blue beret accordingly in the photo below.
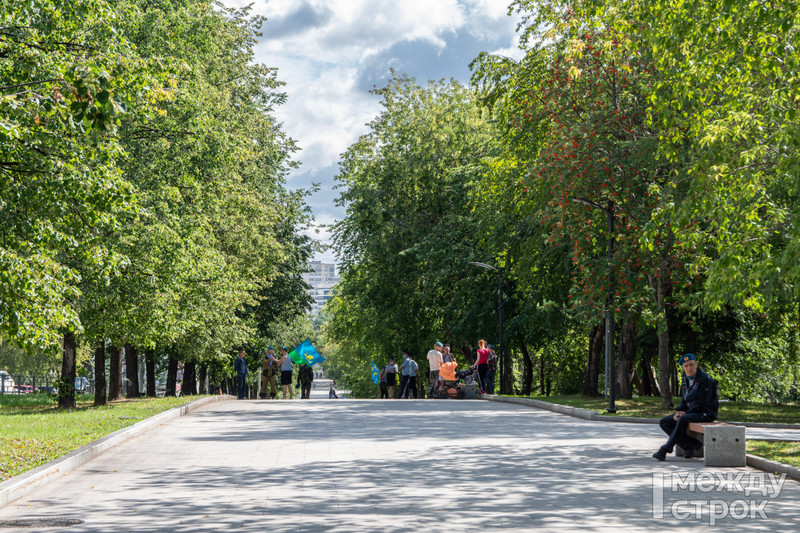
(687, 357)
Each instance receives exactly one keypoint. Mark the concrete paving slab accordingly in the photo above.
(404, 465)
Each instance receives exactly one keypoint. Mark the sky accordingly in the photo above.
(331, 53)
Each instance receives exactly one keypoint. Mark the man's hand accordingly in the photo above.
(678, 414)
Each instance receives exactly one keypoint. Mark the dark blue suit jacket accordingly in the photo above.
(702, 398)
(240, 366)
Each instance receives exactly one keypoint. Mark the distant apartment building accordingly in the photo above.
(321, 278)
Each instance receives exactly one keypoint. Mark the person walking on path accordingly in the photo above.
(482, 363)
(699, 403)
(409, 369)
(435, 361)
(491, 370)
(305, 376)
(383, 385)
(391, 376)
(269, 368)
(286, 372)
(240, 366)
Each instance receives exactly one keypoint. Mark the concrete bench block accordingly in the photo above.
(679, 452)
(725, 446)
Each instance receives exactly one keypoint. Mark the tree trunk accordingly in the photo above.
(213, 383)
(549, 380)
(676, 380)
(592, 374)
(201, 377)
(541, 375)
(189, 386)
(649, 384)
(527, 367)
(664, 359)
(66, 391)
(131, 372)
(150, 364)
(469, 354)
(172, 375)
(100, 374)
(627, 355)
(508, 370)
(115, 375)
(141, 371)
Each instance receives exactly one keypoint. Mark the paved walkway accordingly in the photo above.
(394, 465)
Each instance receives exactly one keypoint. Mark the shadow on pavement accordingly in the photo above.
(409, 466)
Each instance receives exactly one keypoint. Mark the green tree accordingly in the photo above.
(734, 110)
(66, 78)
(409, 231)
(216, 226)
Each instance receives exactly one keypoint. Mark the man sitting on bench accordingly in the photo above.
(699, 403)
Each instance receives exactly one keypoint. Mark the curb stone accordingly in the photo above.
(594, 415)
(25, 483)
(766, 425)
(773, 466)
(577, 412)
(586, 414)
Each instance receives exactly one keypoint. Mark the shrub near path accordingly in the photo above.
(33, 431)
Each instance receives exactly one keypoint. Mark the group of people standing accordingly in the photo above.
(438, 356)
(273, 367)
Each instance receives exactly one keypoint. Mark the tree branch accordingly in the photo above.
(7, 87)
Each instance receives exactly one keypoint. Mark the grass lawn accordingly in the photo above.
(784, 452)
(33, 431)
(650, 407)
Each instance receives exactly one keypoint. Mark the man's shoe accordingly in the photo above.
(688, 453)
(660, 455)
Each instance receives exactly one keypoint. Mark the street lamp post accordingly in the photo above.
(499, 271)
(609, 311)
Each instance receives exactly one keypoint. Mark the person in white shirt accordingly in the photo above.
(434, 364)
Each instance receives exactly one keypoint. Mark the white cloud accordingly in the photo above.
(512, 51)
(326, 49)
(325, 112)
(495, 9)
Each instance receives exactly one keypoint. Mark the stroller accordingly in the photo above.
(468, 375)
(451, 383)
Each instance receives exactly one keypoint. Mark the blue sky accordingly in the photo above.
(330, 53)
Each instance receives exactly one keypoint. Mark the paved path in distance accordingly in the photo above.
(404, 465)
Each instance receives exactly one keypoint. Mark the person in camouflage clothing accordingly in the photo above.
(269, 369)
(305, 376)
